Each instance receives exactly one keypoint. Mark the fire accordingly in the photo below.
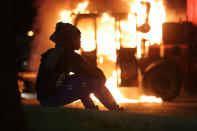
(65, 16)
(155, 21)
(105, 17)
(111, 84)
(112, 34)
(106, 40)
(81, 8)
(150, 99)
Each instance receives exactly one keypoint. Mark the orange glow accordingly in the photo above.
(30, 33)
(150, 99)
(106, 42)
(21, 86)
(105, 17)
(111, 84)
(65, 16)
(81, 8)
(156, 18)
(27, 75)
(101, 60)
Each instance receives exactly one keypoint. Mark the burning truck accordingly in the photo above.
(167, 68)
(136, 47)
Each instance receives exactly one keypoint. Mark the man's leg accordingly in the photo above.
(75, 87)
(88, 102)
(93, 85)
(106, 98)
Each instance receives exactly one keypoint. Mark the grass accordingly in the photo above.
(61, 119)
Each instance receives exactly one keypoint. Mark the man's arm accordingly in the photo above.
(92, 71)
(80, 66)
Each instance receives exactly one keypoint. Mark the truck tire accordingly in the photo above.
(162, 81)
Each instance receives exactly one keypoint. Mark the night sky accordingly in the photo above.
(25, 12)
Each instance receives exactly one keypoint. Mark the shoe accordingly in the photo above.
(120, 109)
(96, 107)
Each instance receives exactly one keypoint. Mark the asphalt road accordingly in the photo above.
(183, 107)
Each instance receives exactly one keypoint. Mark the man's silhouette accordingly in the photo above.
(56, 87)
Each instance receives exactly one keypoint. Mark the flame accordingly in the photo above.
(81, 8)
(111, 84)
(105, 17)
(111, 35)
(101, 60)
(156, 18)
(106, 40)
(65, 16)
(150, 99)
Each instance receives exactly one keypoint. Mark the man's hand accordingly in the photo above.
(60, 80)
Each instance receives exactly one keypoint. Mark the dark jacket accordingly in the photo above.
(53, 63)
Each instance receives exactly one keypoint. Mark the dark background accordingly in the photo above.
(24, 16)
(24, 13)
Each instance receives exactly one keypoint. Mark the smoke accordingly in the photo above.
(175, 10)
(44, 25)
(109, 5)
(48, 14)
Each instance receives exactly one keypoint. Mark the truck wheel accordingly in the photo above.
(162, 82)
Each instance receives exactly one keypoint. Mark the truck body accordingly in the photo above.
(172, 65)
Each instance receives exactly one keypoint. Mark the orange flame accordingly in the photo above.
(156, 18)
(111, 84)
(81, 8)
(65, 16)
